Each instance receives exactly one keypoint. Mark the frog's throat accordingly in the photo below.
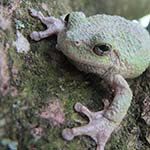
(102, 70)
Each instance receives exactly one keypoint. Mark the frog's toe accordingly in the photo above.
(106, 103)
(78, 107)
(32, 12)
(35, 36)
(82, 109)
(67, 134)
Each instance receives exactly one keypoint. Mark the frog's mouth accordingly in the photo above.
(82, 60)
(88, 66)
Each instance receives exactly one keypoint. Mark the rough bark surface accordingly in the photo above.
(129, 9)
(39, 76)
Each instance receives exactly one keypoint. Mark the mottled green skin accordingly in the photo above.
(130, 54)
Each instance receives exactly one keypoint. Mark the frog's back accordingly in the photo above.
(130, 41)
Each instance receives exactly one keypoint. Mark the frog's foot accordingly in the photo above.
(103, 123)
(54, 25)
(99, 127)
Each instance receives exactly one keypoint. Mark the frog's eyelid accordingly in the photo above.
(102, 48)
(100, 44)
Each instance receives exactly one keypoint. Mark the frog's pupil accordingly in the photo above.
(103, 48)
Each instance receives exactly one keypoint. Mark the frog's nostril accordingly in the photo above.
(78, 43)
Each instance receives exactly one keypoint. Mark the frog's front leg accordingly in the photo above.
(54, 25)
(102, 123)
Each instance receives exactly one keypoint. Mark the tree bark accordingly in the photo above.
(36, 77)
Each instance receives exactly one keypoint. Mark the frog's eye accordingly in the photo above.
(101, 49)
(67, 18)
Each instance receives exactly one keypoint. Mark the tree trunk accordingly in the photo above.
(29, 80)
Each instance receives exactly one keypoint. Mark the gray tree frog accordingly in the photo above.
(111, 47)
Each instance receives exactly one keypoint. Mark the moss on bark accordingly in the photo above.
(43, 73)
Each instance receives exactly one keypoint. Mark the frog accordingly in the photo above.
(112, 47)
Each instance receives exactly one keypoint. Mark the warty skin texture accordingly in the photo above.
(130, 52)
(125, 53)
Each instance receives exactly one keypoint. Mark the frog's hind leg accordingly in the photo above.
(54, 25)
(103, 123)
(97, 128)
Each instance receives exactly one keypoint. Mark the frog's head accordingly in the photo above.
(87, 45)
